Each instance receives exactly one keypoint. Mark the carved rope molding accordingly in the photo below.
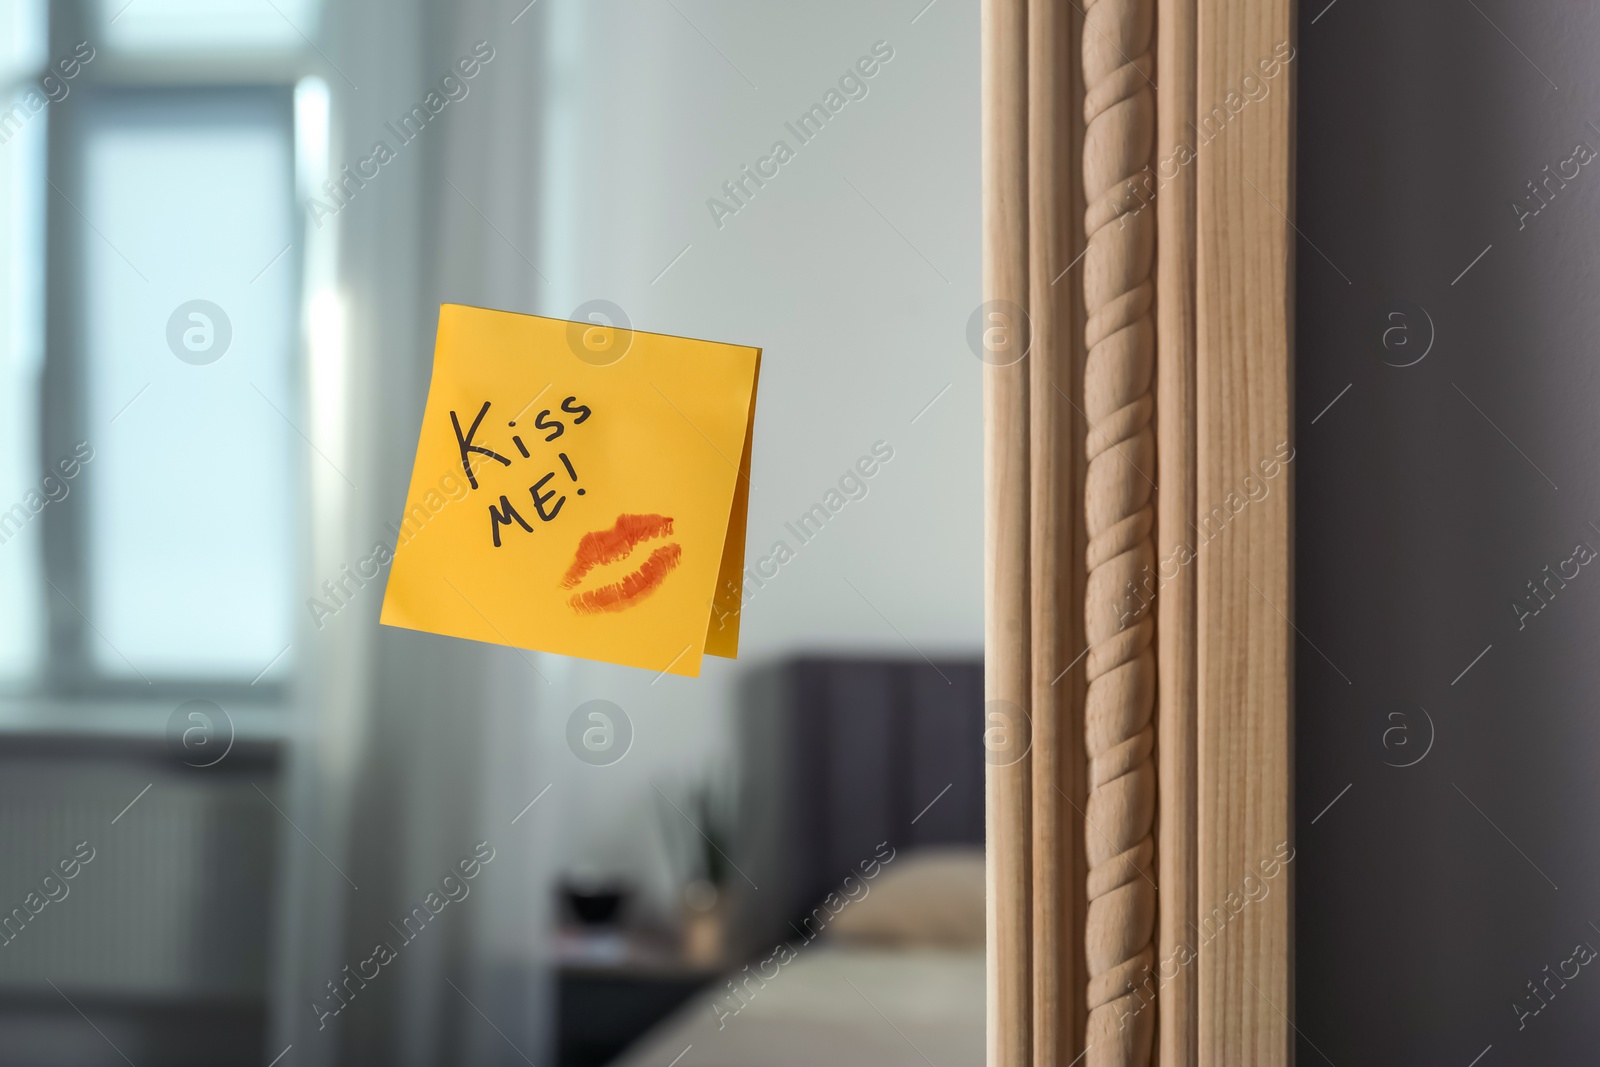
(1119, 291)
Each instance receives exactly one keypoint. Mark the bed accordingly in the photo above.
(836, 1005)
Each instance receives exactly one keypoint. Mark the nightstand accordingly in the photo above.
(611, 988)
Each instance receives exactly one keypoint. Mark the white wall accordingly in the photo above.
(859, 331)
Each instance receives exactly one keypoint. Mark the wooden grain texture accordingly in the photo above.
(1007, 606)
(1119, 516)
(1172, 584)
(1055, 199)
(1244, 255)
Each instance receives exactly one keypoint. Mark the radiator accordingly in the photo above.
(174, 904)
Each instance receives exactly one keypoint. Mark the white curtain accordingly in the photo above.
(411, 748)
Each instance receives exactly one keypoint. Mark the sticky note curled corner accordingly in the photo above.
(579, 489)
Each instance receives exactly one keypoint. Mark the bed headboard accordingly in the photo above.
(841, 754)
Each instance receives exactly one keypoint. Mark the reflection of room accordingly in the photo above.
(217, 283)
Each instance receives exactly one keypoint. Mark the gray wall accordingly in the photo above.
(1428, 497)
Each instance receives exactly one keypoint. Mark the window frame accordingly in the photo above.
(68, 670)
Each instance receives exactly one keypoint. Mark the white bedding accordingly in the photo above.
(839, 1006)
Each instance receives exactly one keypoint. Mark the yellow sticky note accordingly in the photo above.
(579, 489)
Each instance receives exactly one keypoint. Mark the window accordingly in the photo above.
(188, 324)
(152, 427)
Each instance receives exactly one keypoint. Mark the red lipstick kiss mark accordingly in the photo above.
(608, 546)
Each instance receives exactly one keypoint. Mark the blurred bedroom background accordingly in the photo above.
(226, 227)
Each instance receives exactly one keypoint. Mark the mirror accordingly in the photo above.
(243, 822)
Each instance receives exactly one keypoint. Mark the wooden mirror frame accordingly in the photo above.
(1138, 264)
